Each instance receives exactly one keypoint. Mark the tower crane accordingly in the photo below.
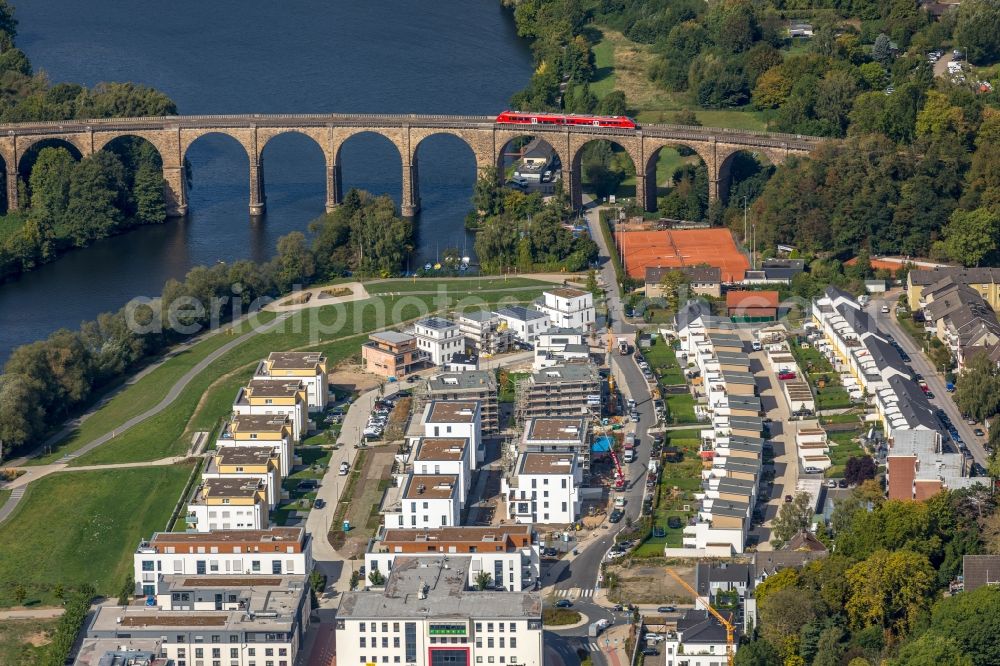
(730, 629)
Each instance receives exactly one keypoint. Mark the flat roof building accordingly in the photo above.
(477, 385)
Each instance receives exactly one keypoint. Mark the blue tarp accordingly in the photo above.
(601, 445)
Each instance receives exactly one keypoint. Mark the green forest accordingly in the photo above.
(912, 170)
(65, 202)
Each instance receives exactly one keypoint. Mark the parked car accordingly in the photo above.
(885, 309)
(344, 468)
(842, 483)
(788, 374)
(666, 609)
(616, 516)
(788, 499)
(979, 432)
(319, 504)
(650, 651)
(832, 483)
(564, 603)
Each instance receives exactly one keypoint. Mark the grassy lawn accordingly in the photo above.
(556, 617)
(832, 397)
(81, 527)
(468, 285)
(4, 494)
(843, 445)
(663, 361)
(138, 397)
(680, 408)
(209, 398)
(9, 225)
(678, 482)
(22, 642)
(622, 64)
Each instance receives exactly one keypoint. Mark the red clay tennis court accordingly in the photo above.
(682, 247)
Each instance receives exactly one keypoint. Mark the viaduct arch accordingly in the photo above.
(173, 135)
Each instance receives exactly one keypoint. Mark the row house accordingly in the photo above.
(960, 317)
(917, 466)
(986, 281)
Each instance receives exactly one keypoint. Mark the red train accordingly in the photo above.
(522, 118)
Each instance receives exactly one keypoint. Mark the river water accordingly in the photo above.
(257, 56)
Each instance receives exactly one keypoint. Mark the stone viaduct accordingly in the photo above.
(173, 135)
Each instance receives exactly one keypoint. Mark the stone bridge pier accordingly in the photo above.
(173, 136)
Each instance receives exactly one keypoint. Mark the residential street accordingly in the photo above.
(920, 363)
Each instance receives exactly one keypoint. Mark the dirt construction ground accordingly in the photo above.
(642, 583)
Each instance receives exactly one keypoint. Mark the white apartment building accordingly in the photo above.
(266, 431)
(543, 488)
(508, 553)
(271, 397)
(439, 338)
(525, 323)
(700, 640)
(444, 455)
(209, 620)
(558, 345)
(247, 463)
(426, 501)
(558, 435)
(228, 504)
(278, 550)
(427, 615)
(308, 367)
(568, 308)
(457, 418)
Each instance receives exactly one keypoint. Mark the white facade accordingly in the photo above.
(439, 338)
(209, 518)
(432, 617)
(307, 367)
(514, 572)
(543, 488)
(525, 323)
(280, 550)
(557, 345)
(297, 410)
(427, 502)
(569, 308)
(435, 456)
(457, 418)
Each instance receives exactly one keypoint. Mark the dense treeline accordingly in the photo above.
(363, 235)
(44, 382)
(878, 597)
(74, 204)
(519, 231)
(937, 196)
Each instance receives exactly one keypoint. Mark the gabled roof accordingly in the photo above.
(700, 627)
(805, 541)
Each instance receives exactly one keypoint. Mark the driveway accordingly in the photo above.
(920, 363)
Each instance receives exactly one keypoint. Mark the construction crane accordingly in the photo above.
(620, 475)
(730, 629)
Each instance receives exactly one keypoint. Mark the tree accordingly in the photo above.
(971, 620)
(977, 391)
(294, 261)
(592, 285)
(674, 284)
(50, 179)
(859, 469)
(889, 590)
(376, 578)
(793, 517)
(147, 191)
(126, 591)
(612, 104)
(96, 198)
(881, 51)
(978, 30)
(758, 653)
(20, 594)
(972, 235)
(772, 89)
(784, 614)
(931, 650)
(939, 117)
(483, 580)
(685, 117)
(355, 580)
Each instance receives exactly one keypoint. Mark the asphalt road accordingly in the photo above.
(920, 363)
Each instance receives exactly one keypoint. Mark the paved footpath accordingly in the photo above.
(32, 613)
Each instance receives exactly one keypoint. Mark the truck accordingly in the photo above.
(629, 445)
(596, 628)
(623, 346)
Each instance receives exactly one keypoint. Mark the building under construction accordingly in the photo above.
(572, 389)
(478, 385)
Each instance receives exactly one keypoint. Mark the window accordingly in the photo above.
(255, 566)
(513, 627)
(276, 567)
(513, 642)
(147, 565)
(362, 643)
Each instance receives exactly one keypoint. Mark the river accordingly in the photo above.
(256, 56)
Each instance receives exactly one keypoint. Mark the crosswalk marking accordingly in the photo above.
(594, 647)
(575, 593)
